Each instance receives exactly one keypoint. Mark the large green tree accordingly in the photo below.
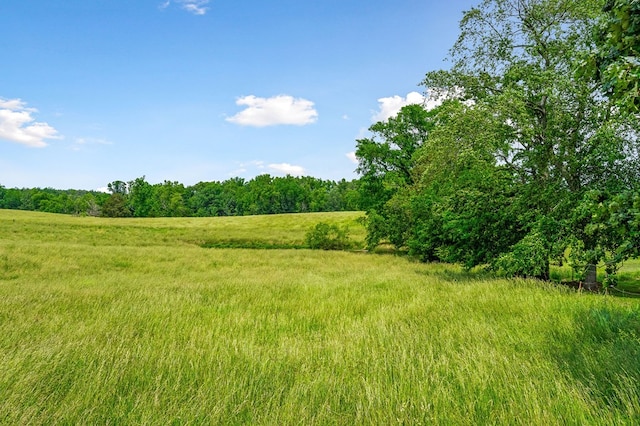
(386, 158)
(520, 145)
(462, 204)
(516, 58)
(386, 161)
(141, 198)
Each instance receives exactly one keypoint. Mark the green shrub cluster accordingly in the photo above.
(327, 236)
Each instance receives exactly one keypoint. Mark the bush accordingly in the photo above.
(527, 258)
(328, 237)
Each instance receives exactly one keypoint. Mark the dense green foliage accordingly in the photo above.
(617, 60)
(108, 321)
(263, 194)
(611, 226)
(503, 172)
(328, 236)
(52, 200)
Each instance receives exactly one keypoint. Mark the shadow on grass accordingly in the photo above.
(602, 354)
(452, 273)
(240, 243)
(629, 283)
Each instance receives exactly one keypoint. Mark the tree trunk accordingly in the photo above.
(590, 279)
(546, 273)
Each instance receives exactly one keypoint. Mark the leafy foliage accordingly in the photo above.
(116, 206)
(387, 162)
(610, 223)
(617, 58)
(52, 200)
(386, 159)
(234, 197)
(328, 236)
(528, 257)
(500, 171)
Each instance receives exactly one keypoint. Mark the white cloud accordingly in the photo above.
(244, 167)
(93, 141)
(352, 156)
(389, 107)
(12, 104)
(258, 164)
(81, 142)
(287, 168)
(277, 110)
(197, 7)
(259, 167)
(237, 172)
(18, 125)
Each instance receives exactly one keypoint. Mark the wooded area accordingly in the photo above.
(263, 194)
(533, 156)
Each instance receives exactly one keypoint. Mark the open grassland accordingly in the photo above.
(107, 321)
(629, 276)
(270, 231)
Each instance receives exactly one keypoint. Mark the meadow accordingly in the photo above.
(175, 321)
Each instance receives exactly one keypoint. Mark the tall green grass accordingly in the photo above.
(133, 322)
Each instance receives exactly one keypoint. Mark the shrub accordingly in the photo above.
(528, 258)
(328, 237)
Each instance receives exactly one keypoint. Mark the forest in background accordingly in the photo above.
(263, 194)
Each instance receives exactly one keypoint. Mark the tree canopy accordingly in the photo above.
(263, 194)
(502, 173)
(617, 58)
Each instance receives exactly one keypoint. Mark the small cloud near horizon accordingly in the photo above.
(287, 169)
(17, 124)
(352, 157)
(258, 167)
(245, 166)
(79, 143)
(273, 111)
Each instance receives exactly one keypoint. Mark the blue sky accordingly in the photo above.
(93, 91)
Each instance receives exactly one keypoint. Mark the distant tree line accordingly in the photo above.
(263, 194)
(68, 201)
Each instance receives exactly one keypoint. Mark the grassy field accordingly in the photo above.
(133, 321)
